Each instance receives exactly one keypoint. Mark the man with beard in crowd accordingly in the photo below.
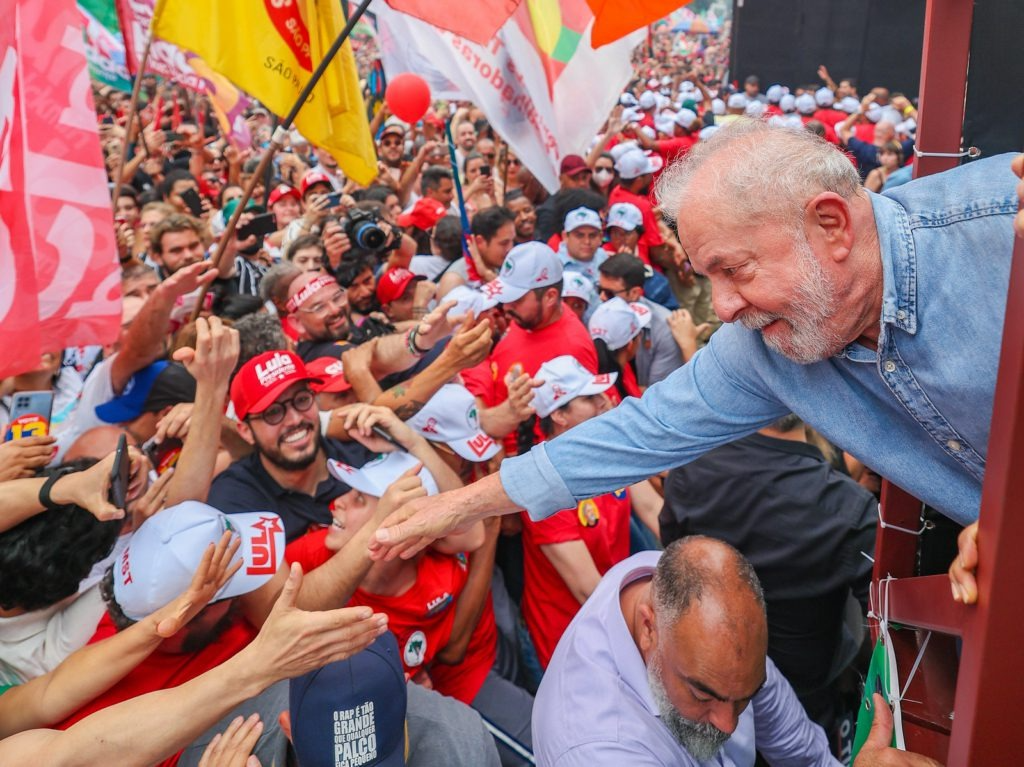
(525, 213)
(668, 661)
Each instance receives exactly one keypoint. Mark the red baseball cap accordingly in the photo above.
(573, 165)
(261, 380)
(393, 282)
(312, 177)
(283, 190)
(424, 214)
(331, 373)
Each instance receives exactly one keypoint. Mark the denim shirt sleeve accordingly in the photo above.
(716, 398)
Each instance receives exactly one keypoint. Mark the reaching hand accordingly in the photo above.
(359, 419)
(470, 345)
(402, 491)
(434, 326)
(685, 332)
(90, 489)
(233, 747)
(213, 359)
(189, 279)
(293, 641)
(20, 458)
(520, 395)
(961, 572)
(215, 569)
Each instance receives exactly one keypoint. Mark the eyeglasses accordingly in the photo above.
(489, 155)
(392, 143)
(607, 293)
(514, 161)
(275, 412)
(339, 299)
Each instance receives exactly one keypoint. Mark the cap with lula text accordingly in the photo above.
(352, 712)
(160, 559)
(617, 322)
(527, 266)
(264, 378)
(331, 373)
(564, 380)
(394, 282)
(423, 215)
(451, 416)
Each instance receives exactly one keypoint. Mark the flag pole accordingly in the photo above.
(276, 142)
(132, 111)
(464, 218)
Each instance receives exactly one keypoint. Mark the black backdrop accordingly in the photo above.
(878, 42)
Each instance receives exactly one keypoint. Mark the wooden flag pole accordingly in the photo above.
(276, 142)
(132, 110)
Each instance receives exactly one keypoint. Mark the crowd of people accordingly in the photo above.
(355, 357)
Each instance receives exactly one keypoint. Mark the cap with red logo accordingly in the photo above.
(393, 282)
(313, 177)
(424, 214)
(283, 190)
(451, 416)
(564, 380)
(617, 322)
(331, 373)
(162, 556)
(374, 477)
(263, 379)
(527, 266)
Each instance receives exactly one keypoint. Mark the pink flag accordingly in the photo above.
(59, 277)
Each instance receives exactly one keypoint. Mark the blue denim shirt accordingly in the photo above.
(917, 411)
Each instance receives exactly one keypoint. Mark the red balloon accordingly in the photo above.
(408, 97)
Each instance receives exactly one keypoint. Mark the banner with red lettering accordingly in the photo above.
(59, 277)
(539, 81)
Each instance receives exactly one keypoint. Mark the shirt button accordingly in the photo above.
(890, 366)
(954, 445)
(901, 315)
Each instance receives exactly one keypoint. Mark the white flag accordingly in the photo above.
(541, 85)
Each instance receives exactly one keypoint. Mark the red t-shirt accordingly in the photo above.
(830, 117)
(865, 132)
(529, 349)
(773, 109)
(162, 670)
(652, 235)
(548, 605)
(421, 618)
(672, 149)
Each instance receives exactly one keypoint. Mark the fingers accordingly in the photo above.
(962, 581)
(290, 592)
(37, 441)
(880, 735)
(233, 747)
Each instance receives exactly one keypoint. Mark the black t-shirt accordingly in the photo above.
(246, 486)
(311, 350)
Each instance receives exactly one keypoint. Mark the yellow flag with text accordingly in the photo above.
(269, 48)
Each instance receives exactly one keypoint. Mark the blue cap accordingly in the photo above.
(151, 389)
(352, 711)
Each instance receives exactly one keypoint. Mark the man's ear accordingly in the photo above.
(245, 432)
(648, 629)
(829, 225)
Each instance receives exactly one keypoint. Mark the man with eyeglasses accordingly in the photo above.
(391, 147)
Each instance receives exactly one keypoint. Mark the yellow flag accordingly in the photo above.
(269, 48)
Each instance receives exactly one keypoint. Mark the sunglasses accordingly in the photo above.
(275, 412)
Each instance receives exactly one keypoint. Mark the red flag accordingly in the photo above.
(59, 277)
(477, 21)
(615, 20)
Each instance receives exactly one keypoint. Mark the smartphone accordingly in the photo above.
(191, 198)
(165, 455)
(334, 199)
(261, 224)
(30, 415)
(485, 170)
(171, 136)
(385, 435)
(120, 473)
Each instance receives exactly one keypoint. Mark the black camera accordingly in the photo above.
(363, 231)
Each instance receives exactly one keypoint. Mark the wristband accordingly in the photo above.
(44, 492)
(410, 343)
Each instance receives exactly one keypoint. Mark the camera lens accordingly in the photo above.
(369, 236)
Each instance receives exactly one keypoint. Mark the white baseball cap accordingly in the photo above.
(849, 104)
(774, 93)
(754, 109)
(717, 107)
(685, 118)
(468, 299)
(620, 149)
(565, 379)
(653, 82)
(708, 131)
(376, 476)
(628, 100)
(631, 115)
(805, 104)
(636, 163)
(579, 286)
(625, 215)
(574, 219)
(824, 97)
(527, 266)
(451, 416)
(162, 556)
(665, 123)
(648, 100)
(737, 101)
(666, 80)
(873, 112)
(788, 103)
(686, 86)
(617, 322)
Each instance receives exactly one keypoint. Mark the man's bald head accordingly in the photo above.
(751, 171)
(98, 442)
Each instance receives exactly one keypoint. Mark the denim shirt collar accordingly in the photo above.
(899, 264)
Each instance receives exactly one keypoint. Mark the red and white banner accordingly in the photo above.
(539, 81)
(59, 277)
